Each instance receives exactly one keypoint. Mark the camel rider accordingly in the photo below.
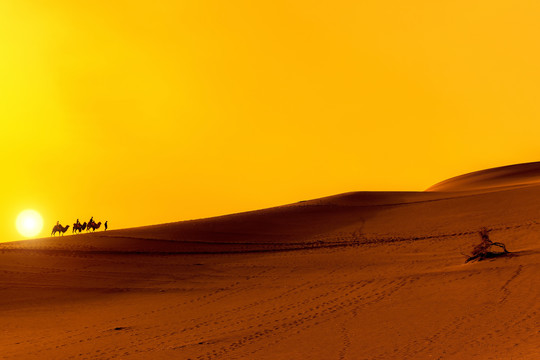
(78, 223)
(91, 220)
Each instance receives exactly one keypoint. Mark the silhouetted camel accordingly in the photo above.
(93, 226)
(79, 227)
(89, 225)
(60, 229)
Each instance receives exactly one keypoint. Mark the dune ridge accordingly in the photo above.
(361, 275)
(510, 175)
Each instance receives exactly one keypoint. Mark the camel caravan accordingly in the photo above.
(77, 227)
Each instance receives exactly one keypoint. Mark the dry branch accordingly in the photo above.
(484, 249)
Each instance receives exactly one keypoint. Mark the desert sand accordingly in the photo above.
(362, 275)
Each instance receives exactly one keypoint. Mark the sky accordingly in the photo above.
(141, 112)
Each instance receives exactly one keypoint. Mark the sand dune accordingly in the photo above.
(364, 275)
(512, 175)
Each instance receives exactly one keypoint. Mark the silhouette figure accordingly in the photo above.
(106, 225)
(78, 227)
(93, 226)
(58, 228)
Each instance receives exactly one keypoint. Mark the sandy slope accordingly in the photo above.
(363, 275)
(512, 175)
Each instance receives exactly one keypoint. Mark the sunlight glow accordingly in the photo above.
(29, 223)
(203, 108)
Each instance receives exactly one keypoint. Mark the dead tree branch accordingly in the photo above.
(484, 249)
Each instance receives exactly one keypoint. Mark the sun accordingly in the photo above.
(29, 223)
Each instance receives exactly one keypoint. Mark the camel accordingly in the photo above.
(60, 229)
(93, 226)
(78, 227)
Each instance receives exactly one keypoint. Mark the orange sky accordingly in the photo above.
(145, 112)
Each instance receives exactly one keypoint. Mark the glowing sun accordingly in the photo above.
(29, 223)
